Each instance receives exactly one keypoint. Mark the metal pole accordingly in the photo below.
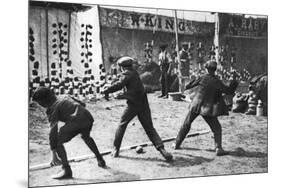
(178, 55)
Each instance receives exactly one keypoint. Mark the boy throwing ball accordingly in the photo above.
(137, 105)
(77, 119)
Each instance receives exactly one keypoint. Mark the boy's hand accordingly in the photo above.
(55, 162)
(106, 95)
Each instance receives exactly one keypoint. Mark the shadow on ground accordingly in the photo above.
(113, 175)
(149, 159)
(238, 152)
(190, 160)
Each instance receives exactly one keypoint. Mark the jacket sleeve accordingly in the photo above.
(53, 136)
(53, 116)
(170, 60)
(228, 89)
(194, 82)
(182, 59)
(119, 84)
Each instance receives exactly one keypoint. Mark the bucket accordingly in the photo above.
(259, 111)
(176, 96)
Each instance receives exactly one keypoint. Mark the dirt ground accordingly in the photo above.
(245, 137)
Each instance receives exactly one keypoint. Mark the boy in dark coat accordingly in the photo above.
(208, 103)
(137, 106)
(77, 119)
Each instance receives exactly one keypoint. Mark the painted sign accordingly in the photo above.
(240, 26)
(143, 21)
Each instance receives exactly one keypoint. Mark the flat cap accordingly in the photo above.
(211, 64)
(163, 46)
(184, 44)
(125, 61)
(42, 93)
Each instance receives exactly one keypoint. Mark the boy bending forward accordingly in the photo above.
(77, 119)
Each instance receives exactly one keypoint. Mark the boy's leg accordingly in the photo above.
(166, 85)
(65, 134)
(66, 170)
(127, 116)
(93, 147)
(162, 82)
(185, 128)
(146, 121)
(216, 129)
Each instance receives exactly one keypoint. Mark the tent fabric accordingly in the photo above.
(37, 25)
(57, 33)
(63, 30)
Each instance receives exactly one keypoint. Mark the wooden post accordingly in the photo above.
(178, 55)
(69, 27)
(47, 42)
(216, 39)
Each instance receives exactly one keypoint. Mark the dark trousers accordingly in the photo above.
(212, 122)
(164, 83)
(144, 115)
(69, 131)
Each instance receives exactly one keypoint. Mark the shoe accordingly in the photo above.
(101, 163)
(166, 97)
(115, 153)
(250, 112)
(166, 155)
(160, 96)
(66, 173)
(221, 152)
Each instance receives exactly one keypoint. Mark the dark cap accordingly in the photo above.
(125, 61)
(163, 46)
(184, 44)
(42, 93)
(211, 64)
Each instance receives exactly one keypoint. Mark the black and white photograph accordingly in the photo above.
(122, 93)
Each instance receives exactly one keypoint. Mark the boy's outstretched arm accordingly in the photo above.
(192, 83)
(118, 85)
(53, 138)
(230, 89)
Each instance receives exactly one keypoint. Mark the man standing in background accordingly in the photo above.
(184, 59)
(165, 61)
